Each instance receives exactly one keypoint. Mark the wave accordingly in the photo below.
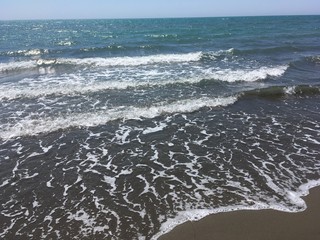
(104, 49)
(165, 36)
(280, 92)
(27, 53)
(203, 57)
(65, 43)
(133, 61)
(71, 89)
(116, 48)
(77, 85)
(217, 55)
(30, 127)
(313, 59)
(17, 66)
(267, 50)
(104, 62)
(247, 75)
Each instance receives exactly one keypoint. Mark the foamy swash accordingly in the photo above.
(195, 215)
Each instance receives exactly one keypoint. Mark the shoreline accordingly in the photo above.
(255, 224)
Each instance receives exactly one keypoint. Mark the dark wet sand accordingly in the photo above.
(255, 225)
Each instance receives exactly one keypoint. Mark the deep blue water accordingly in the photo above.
(122, 129)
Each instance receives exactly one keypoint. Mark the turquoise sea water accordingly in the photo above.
(123, 129)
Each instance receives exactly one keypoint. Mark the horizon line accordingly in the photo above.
(140, 18)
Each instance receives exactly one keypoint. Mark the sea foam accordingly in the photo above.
(134, 61)
(29, 127)
(247, 75)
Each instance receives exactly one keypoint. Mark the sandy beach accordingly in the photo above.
(257, 225)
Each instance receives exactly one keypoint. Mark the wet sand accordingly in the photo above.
(255, 225)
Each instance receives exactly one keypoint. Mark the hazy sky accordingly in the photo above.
(61, 9)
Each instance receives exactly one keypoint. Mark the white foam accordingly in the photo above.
(65, 89)
(65, 43)
(30, 52)
(247, 75)
(133, 61)
(304, 188)
(43, 125)
(82, 216)
(77, 85)
(100, 62)
(6, 182)
(290, 90)
(158, 128)
(111, 181)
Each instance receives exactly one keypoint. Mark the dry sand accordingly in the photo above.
(255, 225)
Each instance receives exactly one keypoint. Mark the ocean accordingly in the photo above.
(124, 129)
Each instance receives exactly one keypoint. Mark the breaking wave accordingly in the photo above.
(104, 62)
(75, 85)
(278, 92)
(27, 127)
(26, 53)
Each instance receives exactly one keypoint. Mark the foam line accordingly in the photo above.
(134, 61)
(43, 125)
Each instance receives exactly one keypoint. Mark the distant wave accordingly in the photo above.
(267, 50)
(116, 47)
(118, 61)
(65, 43)
(104, 62)
(111, 61)
(166, 36)
(29, 127)
(104, 49)
(28, 52)
(133, 61)
(17, 66)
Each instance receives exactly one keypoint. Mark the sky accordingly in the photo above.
(92, 9)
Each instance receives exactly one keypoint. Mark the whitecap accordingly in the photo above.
(133, 61)
(246, 75)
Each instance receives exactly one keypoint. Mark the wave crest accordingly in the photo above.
(279, 92)
(26, 53)
(30, 127)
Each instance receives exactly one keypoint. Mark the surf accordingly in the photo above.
(30, 126)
